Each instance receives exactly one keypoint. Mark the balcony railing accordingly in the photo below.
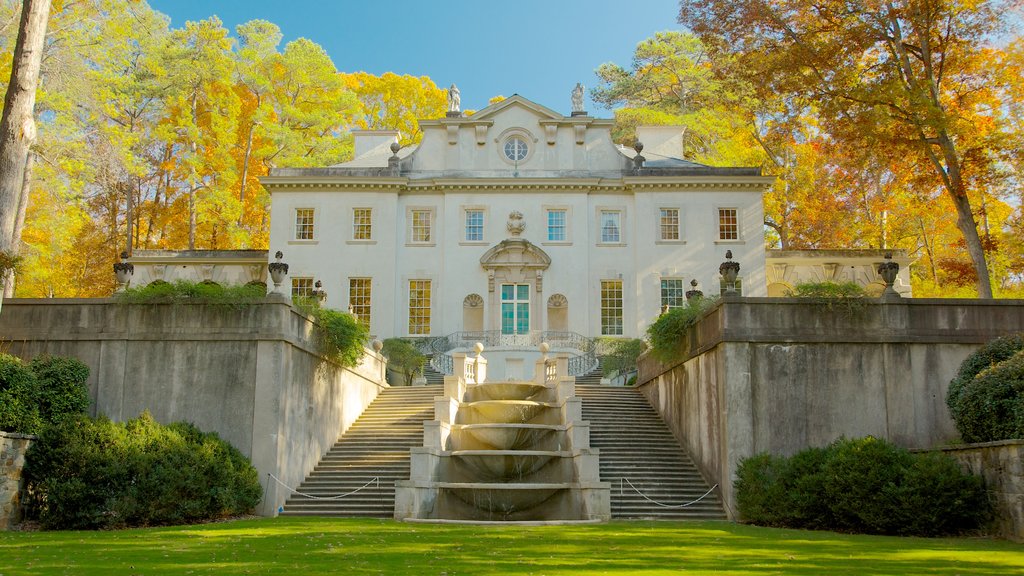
(582, 349)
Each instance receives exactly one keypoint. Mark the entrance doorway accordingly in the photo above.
(515, 308)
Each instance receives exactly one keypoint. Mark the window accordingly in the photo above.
(420, 231)
(474, 225)
(669, 224)
(611, 307)
(362, 223)
(359, 299)
(303, 223)
(556, 225)
(673, 295)
(728, 224)
(516, 149)
(302, 286)
(419, 307)
(515, 308)
(611, 226)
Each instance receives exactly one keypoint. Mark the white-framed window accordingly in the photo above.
(304, 221)
(728, 224)
(556, 222)
(474, 231)
(419, 307)
(611, 307)
(516, 149)
(359, 299)
(302, 286)
(421, 226)
(673, 293)
(362, 223)
(669, 225)
(610, 226)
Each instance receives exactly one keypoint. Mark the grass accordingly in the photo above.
(331, 546)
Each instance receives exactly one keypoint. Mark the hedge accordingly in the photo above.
(46, 390)
(991, 405)
(85, 473)
(865, 485)
(985, 357)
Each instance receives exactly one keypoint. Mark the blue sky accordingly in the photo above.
(535, 48)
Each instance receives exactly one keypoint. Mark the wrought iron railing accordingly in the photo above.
(583, 349)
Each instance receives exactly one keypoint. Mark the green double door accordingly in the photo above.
(515, 308)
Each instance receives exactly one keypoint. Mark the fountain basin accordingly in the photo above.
(507, 437)
(506, 465)
(505, 391)
(508, 412)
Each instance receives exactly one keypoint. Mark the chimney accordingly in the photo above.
(661, 141)
(379, 141)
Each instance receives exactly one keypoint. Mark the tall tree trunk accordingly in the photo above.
(19, 221)
(17, 127)
(245, 173)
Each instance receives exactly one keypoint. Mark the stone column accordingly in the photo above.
(12, 460)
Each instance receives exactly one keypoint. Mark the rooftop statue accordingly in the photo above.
(454, 100)
(577, 97)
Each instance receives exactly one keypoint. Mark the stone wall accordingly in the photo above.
(780, 375)
(250, 374)
(12, 460)
(1001, 464)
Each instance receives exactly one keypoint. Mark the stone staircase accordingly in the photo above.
(592, 378)
(375, 446)
(636, 445)
(434, 378)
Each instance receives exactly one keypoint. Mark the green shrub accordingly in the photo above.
(620, 355)
(985, 357)
(341, 335)
(62, 388)
(667, 333)
(991, 405)
(403, 358)
(864, 485)
(48, 389)
(87, 473)
(846, 297)
(184, 291)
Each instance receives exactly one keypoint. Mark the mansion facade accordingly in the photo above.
(517, 219)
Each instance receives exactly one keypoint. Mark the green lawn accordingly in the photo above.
(298, 547)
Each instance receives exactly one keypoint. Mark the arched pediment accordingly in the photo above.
(515, 253)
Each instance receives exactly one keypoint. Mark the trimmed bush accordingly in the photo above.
(62, 389)
(87, 473)
(865, 485)
(985, 357)
(48, 389)
(667, 333)
(991, 405)
(185, 291)
(403, 358)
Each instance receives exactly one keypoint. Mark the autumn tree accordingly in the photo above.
(17, 126)
(396, 102)
(906, 73)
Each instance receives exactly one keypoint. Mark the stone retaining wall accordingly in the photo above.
(779, 375)
(12, 460)
(1001, 464)
(252, 374)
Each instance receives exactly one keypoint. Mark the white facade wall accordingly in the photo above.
(572, 164)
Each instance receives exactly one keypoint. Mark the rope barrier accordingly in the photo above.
(376, 480)
(637, 490)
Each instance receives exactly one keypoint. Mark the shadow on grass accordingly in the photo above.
(324, 546)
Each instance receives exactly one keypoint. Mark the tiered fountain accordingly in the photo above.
(505, 451)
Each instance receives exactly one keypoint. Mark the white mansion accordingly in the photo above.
(519, 219)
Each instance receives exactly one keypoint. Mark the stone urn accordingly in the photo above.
(278, 270)
(124, 270)
(693, 294)
(888, 270)
(729, 271)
